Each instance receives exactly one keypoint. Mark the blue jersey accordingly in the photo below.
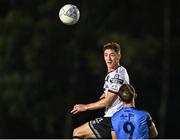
(131, 123)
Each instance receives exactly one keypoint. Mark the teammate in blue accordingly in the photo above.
(129, 122)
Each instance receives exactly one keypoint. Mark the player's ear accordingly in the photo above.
(119, 55)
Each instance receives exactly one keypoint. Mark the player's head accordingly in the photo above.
(112, 54)
(127, 93)
(114, 46)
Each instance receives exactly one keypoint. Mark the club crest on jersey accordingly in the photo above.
(116, 81)
(116, 76)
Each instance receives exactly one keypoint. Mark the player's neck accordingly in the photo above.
(129, 104)
(112, 69)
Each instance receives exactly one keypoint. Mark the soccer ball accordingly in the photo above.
(69, 14)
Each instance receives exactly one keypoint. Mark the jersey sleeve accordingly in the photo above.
(149, 120)
(117, 80)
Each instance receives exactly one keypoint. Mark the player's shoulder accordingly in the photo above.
(116, 114)
(119, 75)
(119, 112)
(118, 71)
(143, 112)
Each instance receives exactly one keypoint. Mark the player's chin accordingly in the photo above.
(110, 66)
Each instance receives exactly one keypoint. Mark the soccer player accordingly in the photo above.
(129, 122)
(116, 76)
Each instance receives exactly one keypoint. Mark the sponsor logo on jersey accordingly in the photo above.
(116, 81)
(127, 116)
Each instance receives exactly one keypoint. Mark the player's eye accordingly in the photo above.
(105, 55)
(112, 55)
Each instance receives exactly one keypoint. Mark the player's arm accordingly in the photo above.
(113, 134)
(153, 131)
(102, 103)
(152, 128)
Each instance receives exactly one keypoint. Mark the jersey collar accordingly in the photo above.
(113, 69)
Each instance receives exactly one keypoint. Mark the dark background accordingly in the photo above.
(46, 67)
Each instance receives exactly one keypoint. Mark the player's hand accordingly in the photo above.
(79, 108)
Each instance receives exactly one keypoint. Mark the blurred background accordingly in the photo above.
(46, 67)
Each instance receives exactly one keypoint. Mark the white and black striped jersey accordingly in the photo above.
(113, 82)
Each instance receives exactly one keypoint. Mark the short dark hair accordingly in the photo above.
(113, 45)
(127, 93)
